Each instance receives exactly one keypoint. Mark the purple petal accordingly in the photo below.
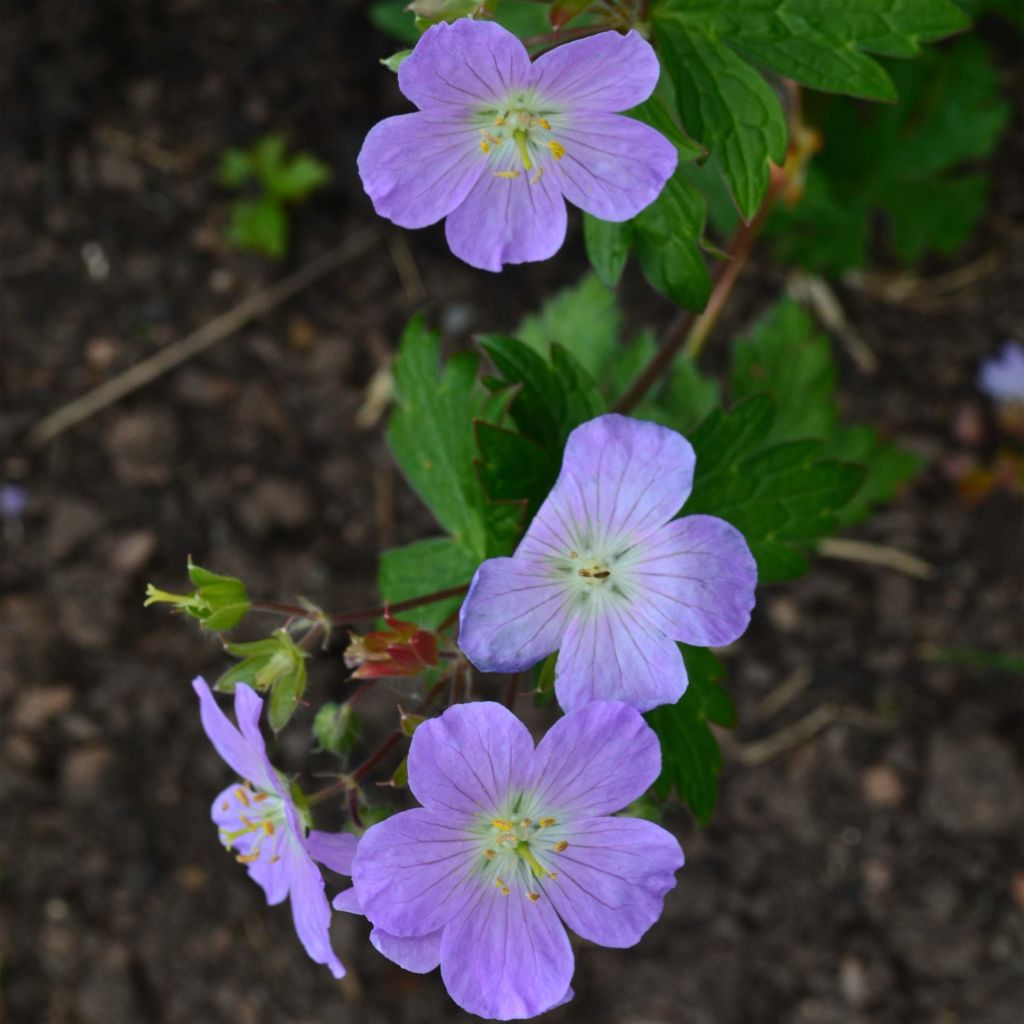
(613, 652)
(334, 850)
(508, 220)
(621, 479)
(513, 616)
(417, 168)
(613, 166)
(604, 72)
(416, 953)
(348, 901)
(310, 910)
(594, 761)
(464, 64)
(505, 956)
(468, 760)
(245, 754)
(410, 871)
(695, 580)
(612, 878)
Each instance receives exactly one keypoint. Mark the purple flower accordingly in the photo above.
(511, 845)
(1002, 377)
(497, 142)
(261, 822)
(608, 578)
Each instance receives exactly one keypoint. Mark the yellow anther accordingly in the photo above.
(485, 145)
(499, 121)
(260, 797)
(505, 890)
(506, 174)
(242, 795)
(489, 854)
(499, 882)
(493, 140)
(502, 824)
(226, 806)
(561, 846)
(534, 896)
(552, 875)
(557, 149)
(537, 176)
(247, 822)
(268, 827)
(527, 822)
(274, 859)
(248, 858)
(543, 122)
(547, 822)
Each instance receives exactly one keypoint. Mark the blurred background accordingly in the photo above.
(865, 861)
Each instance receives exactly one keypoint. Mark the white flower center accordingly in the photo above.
(517, 132)
(258, 822)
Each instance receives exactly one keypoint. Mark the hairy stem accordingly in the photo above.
(358, 614)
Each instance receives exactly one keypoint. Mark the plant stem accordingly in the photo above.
(359, 614)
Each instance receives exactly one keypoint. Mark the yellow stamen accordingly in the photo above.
(242, 795)
(268, 827)
(485, 145)
(502, 824)
(506, 174)
(499, 121)
(543, 122)
(248, 858)
(561, 846)
(260, 797)
(505, 890)
(547, 822)
(557, 149)
(226, 805)
(499, 882)
(534, 896)
(493, 140)
(537, 176)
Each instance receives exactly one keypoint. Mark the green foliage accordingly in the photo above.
(276, 665)
(336, 728)
(261, 223)
(789, 359)
(903, 163)
(423, 567)
(218, 602)
(691, 759)
(709, 48)
(405, 22)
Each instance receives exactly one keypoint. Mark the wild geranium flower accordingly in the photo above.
(606, 576)
(261, 822)
(511, 845)
(1002, 377)
(498, 142)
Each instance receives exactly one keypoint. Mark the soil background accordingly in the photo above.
(869, 872)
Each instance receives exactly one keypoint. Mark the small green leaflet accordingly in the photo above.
(789, 359)
(690, 758)
(902, 162)
(431, 435)
(709, 48)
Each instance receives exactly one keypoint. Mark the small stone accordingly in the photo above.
(853, 981)
(37, 707)
(784, 614)
(101, 353)
(882, 787)
(133, 551)
(83, 770)
(71, 522)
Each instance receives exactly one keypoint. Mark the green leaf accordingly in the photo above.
(393, 18)
(709, 47)
(900, 163)
(296, 179)
(336, 728)
(584, 319)
(607, 245)
(690, 757)
(235, 168)
(783, 499)
(654, 112)
(284, 697)
(431, 435)
(259, 225)
(667, 237)
(516, 468)
(690, 397)
(423, 567)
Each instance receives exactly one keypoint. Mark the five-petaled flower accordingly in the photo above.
(498, 142)
(608, 578)
(511, 842)
(259, 819)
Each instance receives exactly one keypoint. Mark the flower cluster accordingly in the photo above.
(499, 144)
(513, 843)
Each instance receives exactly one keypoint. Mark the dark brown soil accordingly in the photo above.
(870, 872)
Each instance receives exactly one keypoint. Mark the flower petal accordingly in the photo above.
(246, 755)
(594, 760)
(334, 850)
(514, 615)
(621, 479)
(506, 957)
(410, 871)
(604, 72)
(348, 901)
(416, 953)
(612, 652)
(417, 168)
(695, 580)
(613, 166)
(310, 910)
(469, 759)
(464, 64)
(612, 878)
(508, 219)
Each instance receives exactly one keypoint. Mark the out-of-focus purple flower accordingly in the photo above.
(261, 822)
(1001, 377)
(13, 499)
(511, 845)
(498, 142)
(608, 578)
